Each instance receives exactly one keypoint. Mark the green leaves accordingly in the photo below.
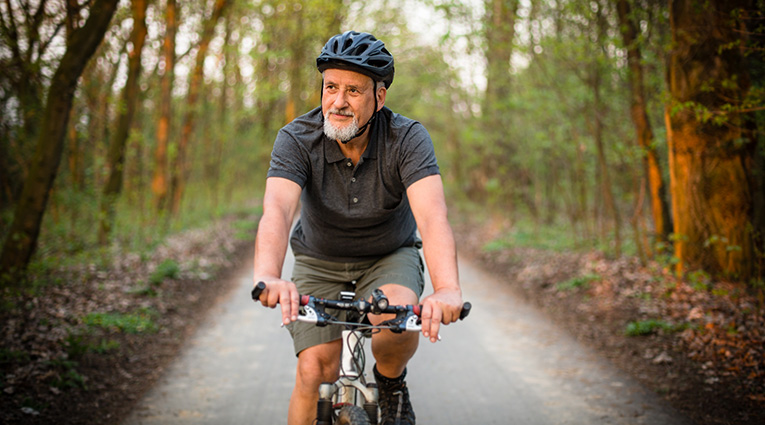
(135, 323)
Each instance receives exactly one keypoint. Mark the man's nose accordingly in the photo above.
(340, 100)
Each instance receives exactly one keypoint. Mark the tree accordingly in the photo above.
(116, 155)
(21, 241)
(638, 110)
(710, 160)
(499, 34)
(181, 170)
(159, 184)
(26, 38)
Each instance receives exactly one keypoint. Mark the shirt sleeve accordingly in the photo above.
(418, 157)
(289, 159)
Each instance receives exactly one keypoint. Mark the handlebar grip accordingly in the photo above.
(465, 310)
(466, 306)
(257, 290)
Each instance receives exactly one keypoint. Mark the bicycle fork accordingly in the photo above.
(350, 388)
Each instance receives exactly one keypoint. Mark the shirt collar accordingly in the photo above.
(332, 152)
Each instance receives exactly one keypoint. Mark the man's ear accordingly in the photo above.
(381, 93)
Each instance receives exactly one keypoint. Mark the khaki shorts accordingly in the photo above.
(326, 279)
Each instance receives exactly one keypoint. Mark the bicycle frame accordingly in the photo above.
(351, 387)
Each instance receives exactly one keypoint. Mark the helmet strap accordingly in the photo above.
(372, 118)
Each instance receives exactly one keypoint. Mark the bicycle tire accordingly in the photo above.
(352, 415)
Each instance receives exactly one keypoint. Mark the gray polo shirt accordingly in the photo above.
(353, 213)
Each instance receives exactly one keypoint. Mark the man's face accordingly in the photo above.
(347, 102)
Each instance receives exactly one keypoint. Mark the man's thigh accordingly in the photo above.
(326, 279)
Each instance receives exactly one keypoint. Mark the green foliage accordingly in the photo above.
(245, 229)
(527, 234)
(67, 376)
(8, 356)
(651, 326)
(78, 345)
(700, 280)
(167, 269)
(136, 323)
(577, 282)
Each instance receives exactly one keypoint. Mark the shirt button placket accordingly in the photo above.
(354, 199)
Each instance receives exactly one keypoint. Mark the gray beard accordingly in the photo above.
(344, 135)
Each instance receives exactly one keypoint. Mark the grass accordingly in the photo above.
(68, 237)
(167, 269)
(651, 326)
(135, 323)
(578, 282)
(527, 234)
(245, 229)
(67, 376)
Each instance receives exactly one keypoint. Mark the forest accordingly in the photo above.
(626, 135)
(630, 126)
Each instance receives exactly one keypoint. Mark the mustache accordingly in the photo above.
(344, 112)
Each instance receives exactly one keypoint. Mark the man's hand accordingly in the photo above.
(282, 292)
(443, 306)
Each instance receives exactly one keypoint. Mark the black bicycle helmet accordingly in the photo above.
(360, 52)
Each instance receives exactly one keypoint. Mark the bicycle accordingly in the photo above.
(351, 400)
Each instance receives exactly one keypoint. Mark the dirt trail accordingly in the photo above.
(506, 364)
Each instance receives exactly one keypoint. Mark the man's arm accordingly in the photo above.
(426, 197)
(280, 203)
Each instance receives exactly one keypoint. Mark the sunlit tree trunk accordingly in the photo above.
(117, 147)
(605, 188)
(159, 185)
(710, 163)
(645, 137)
(221, 124)
(297, 63)
(500, 31)
(181, 167)
(22, 236)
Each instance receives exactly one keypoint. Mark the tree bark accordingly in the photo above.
(500, 31)
(181, 167)
(22, 237)
(116, 154)
(159, 185)
(709, 166)
(645, 137)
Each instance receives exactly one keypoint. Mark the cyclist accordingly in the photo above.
(364, 190)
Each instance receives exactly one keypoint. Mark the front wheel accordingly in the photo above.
(352, 415)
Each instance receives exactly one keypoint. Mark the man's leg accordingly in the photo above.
(392, 352)
(316, 364)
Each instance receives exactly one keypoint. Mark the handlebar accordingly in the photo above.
(315, 309)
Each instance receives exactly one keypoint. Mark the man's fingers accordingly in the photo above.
(295, 304)
(285, 299)
(431, 320)
(435, 323)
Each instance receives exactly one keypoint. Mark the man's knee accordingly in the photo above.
(319, 364)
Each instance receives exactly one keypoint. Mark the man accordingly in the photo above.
(365, 190)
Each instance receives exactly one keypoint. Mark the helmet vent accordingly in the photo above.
(360, 52)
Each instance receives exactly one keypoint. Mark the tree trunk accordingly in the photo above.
(645, 137)
(116, 155)
(500, 32)
(709, 166)
(159, 186)
(604, 175)
(604, 180)
(181, 167)
(22, 237)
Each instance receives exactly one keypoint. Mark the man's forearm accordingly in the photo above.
(440, 254)
(271, 246)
